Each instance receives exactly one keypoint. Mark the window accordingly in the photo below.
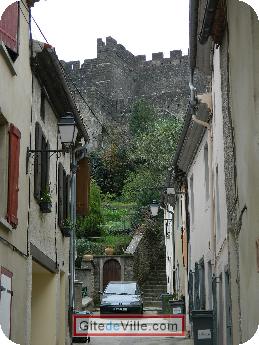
(196, 287)
(42, 105)
(9, 29)
(3, 165)
(13, 175)
(257, 255)
(6, 294)
(63, 195)
(202, 284)
(206, 172)
(192, 199)
(209, 285)
(41, 163)
(217, 202)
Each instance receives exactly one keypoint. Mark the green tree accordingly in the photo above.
(153, 150)
(142, 118)
(91, 224)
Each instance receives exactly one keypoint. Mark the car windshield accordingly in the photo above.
(122, 289)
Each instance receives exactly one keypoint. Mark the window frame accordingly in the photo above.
(9, 274)
(41, 163)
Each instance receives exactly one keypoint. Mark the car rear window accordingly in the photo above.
(122, 289)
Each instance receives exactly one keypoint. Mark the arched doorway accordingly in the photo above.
(111, 272)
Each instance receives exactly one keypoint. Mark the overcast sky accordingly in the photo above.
(142, 26)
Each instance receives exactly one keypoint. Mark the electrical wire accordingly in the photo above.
(64, 72)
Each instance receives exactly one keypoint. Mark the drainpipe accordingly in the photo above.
(72, 251)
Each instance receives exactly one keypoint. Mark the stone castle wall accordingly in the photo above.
(113, 81)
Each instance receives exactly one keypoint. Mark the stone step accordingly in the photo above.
(155, 274)
(152, 298)
(153, 283)
(152, 288)
(152, 304)
(154, 293)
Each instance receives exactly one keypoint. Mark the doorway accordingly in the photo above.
(43, 306)
(111, 272)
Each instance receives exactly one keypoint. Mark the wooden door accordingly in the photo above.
(111, 272)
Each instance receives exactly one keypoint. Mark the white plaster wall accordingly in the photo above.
(44, 231)
(200, 223)
(15, 105)
(244, 86)
(218, 150)
(221, 207)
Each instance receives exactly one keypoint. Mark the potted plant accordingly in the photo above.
(67, 227)
(109, 250)
(45, 201)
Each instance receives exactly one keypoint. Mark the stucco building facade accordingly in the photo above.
(34, 246)
(216, 166)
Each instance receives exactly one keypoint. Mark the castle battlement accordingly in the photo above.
(116, 78)
(111, 51)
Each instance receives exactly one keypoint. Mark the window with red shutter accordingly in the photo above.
(9, 29)
(13, 175)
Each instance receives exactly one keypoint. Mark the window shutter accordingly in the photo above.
(13, 175)
(190, 291)
(37, 161)
(82, 187)
(60, 194)
(9, 27)
(196, 287)
(64, 194)
(44, 160)
(47, 162)
(68, 181)
(185, 247)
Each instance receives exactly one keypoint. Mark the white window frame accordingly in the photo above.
(6, 294)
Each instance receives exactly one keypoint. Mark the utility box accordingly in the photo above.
(166, 308)
(203, 331)
(177, 307)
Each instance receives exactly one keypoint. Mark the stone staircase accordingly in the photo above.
(155, 285)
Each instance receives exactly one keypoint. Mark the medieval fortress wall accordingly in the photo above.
(113, 81)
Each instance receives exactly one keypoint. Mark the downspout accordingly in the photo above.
(74, 162)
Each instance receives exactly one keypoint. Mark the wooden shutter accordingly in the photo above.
(9, 27)
(68, 183)
(60, 194)
(185, 247)
(196, 287)
(13, 175)
(37, 161)
(64, 194)
(190, 291)
(82, 187)
(44, 165)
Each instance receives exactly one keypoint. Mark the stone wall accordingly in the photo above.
(148, 248)
(113, 81)
(91, 272)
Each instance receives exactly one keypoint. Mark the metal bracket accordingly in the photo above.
(33, 152)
